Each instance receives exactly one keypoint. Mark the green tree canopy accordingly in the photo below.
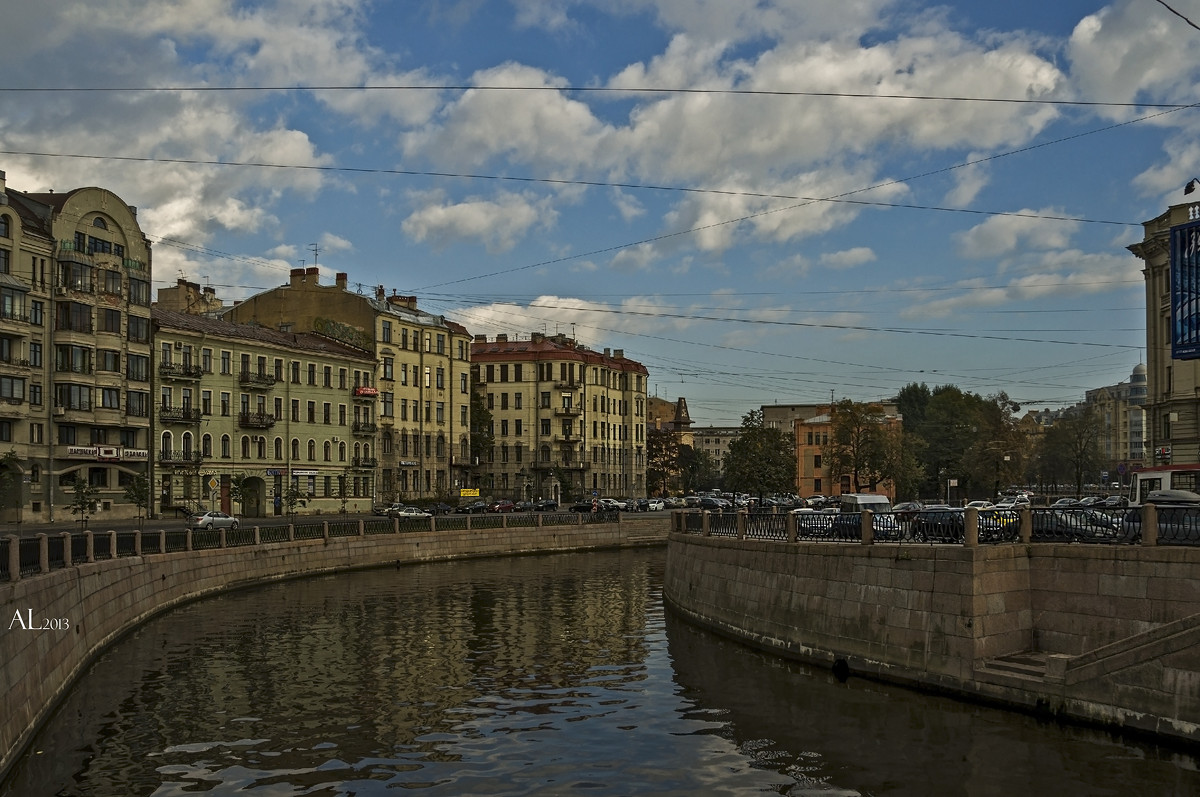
(762, 460)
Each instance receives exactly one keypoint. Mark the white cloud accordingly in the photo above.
(1003, 235)
(496, 223)
(335, 243)
(1051, 275)
(848, 258)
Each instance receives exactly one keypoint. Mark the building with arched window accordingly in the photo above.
(75, 389)
(268, 396)
(567, 421)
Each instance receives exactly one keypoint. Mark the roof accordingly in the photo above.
(549, 349)
(306, 341)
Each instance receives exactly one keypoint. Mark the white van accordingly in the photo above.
(857, 502)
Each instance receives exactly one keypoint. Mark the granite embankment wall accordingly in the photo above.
(88, 605)
(1115, 629)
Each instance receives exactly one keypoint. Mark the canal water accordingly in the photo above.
(542, 675)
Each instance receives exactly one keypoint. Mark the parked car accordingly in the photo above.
(402, 511)
(503, 505)
(212, 520)
(655, 505)
(475, 508)
(1077, 525)
(546, 505)
(440, 509)
(611, 505)
(938, 525)
(582, 506)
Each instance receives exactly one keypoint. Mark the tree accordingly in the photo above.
(483, 435)
(662, 461)
(1072, 446)
(237, 490)
(83, 501)
(291, 497)
(858, 446)
(762, 460)
(912, 402)
(697, 470)
(137, 492)
(10, 480)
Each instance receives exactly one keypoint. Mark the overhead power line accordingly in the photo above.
(619, 90)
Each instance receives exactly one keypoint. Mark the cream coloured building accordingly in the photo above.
(75, 389)
(1172, 385)
(567, 421)
(242, 403)
(422, 371)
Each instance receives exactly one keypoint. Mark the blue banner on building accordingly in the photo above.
(1185, 291)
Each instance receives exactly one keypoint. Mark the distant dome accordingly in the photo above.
(1139, 369)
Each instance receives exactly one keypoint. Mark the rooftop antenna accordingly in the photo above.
(316, 250)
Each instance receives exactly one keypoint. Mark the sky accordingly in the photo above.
(762, 201)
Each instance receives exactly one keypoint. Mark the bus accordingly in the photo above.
(1163, 477)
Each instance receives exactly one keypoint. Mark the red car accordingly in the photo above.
(503, 505)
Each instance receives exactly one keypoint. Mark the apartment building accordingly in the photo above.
(75, 379)
(243, 411)
(421, 377)
(567, 421)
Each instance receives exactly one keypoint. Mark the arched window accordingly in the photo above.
(341, 452)
(165, 446)
(357, 449)
(245, 447)
(99, 222)
(441, 445)
(187, 444)
(296, 448)
(226, 447)
(328, 450)
(262, 448)
(5, 226)
(278, 448)
(312, 451)
(206, 446)
(367, 450)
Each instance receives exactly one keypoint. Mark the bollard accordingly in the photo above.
(971, 527)
(868, 527)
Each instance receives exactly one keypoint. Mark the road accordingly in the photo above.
(167, 523)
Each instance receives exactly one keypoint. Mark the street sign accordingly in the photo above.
(213, 482)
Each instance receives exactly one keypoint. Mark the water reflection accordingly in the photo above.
(531, 675)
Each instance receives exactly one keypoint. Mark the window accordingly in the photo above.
(226, 362)
(386, 333)
(441, 379)
(545, 426)
(110, 398)
(462, 383)
(388, 368)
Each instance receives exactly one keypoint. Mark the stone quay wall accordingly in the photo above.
(1115, 630)
(56, 622)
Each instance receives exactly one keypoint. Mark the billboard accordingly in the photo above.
(1185, 291)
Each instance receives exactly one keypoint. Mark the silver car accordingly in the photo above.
(212, 520)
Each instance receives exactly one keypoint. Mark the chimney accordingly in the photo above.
(340, 280)
(3, 194)
(379, 293)
(296, 277)
(481, 338)
(619, 354)
(502, 338)
(536, 337)
(607, 352)
(314, 272)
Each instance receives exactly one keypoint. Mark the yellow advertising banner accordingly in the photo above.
(468, 493)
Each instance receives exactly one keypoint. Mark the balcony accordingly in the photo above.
(11, 314)
(566, 437)
(364, 462)
(570, 412)
(179, 414)
(364, 428)
(568, 385)
(256, 379)
(256, 420)
(180, 458)
(180, 371)
(67, 253)
(13, 361)
(13, 408)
